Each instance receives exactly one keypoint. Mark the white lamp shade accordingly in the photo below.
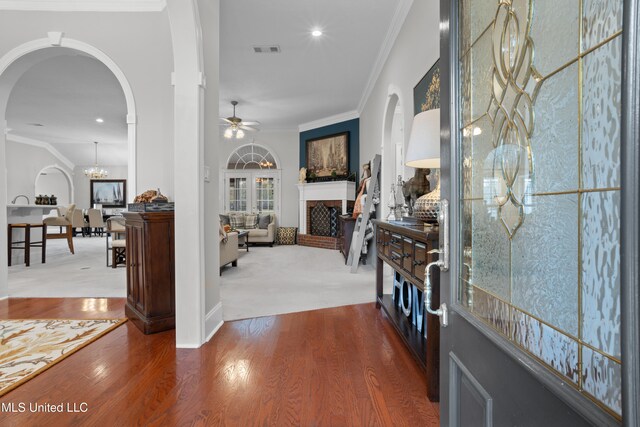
(424, 142)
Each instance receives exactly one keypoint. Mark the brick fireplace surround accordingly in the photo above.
(338, 194)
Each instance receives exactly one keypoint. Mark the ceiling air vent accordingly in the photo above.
(267, 49)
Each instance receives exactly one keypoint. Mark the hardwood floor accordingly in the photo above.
(342, 366)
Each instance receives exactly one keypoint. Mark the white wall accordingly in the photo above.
(82, 184)
(285, 144)
(24, 163)
(416, 49)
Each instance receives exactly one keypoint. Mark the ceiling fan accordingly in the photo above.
(236, 126)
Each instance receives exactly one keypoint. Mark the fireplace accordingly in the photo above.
(320, 205)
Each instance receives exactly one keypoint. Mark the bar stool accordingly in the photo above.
(27, 244)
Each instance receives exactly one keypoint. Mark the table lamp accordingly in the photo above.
(424, 152)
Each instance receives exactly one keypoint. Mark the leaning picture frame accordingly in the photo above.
(328, 156)
(110, 193)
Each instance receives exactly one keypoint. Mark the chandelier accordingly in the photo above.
(96, 172)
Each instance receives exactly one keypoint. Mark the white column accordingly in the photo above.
(188, 158)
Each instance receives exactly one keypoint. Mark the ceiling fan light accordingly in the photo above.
(240, 134)
(228, 133)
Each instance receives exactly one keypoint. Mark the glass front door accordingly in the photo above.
(536, 179)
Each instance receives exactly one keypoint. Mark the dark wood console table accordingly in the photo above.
(405, 246)
(150, 270)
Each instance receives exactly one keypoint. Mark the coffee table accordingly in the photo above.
(243, 239)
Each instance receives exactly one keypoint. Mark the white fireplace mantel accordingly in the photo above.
(332, 190)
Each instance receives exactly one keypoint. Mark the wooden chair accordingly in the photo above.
(115, 232)
(62, 221)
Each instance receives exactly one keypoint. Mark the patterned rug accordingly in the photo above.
(29, 347)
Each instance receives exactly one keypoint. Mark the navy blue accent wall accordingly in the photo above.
(351, 126)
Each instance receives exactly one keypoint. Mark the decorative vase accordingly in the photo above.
(427, 207)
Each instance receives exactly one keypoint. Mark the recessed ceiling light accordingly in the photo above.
(316, 33)
(99, 120)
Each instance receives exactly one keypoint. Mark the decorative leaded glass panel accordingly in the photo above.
(601, 19)
(555, 30)
(490, 262)
(476, 16)
(602, 378)
(546, 343)
(601, 270)
(544, 262)
(540, 182)
(558, 127)
(601, 100)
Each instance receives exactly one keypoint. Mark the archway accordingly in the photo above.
(61, 183)
(12, 66)
(392, 147)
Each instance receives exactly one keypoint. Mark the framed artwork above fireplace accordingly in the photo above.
(328, 156)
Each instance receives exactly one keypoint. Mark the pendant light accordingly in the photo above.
(96, 172)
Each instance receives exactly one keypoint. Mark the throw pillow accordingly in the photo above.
(286, 235)
(236, 220)
(264, 221)
(250, 221)
(224, 219)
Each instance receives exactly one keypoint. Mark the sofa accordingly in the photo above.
(262, 230)
(228, 248)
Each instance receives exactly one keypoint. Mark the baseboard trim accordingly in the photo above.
(4, 297)
(213, 321)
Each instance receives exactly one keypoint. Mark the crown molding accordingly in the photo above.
(342, 117)
(84, 5)
(394, 29)
(41, 144)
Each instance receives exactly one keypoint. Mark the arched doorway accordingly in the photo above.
(392, 148)
(13, 65)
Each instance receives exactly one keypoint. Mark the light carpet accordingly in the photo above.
(65, 275)
(29, 347)
(287, 279)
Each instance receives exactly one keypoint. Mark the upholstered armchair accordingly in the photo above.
(228, 248)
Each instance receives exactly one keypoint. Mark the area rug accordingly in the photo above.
(29, 347)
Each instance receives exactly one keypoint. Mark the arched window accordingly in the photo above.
(252, 180)
(252, 156)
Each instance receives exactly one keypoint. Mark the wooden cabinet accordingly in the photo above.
(150, 270)
(345, 232)
(405, 247)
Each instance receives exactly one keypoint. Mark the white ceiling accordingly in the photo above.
(66, 93)
(310, 79)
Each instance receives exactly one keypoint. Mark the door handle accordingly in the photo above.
(442, 311)
(442, 264)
